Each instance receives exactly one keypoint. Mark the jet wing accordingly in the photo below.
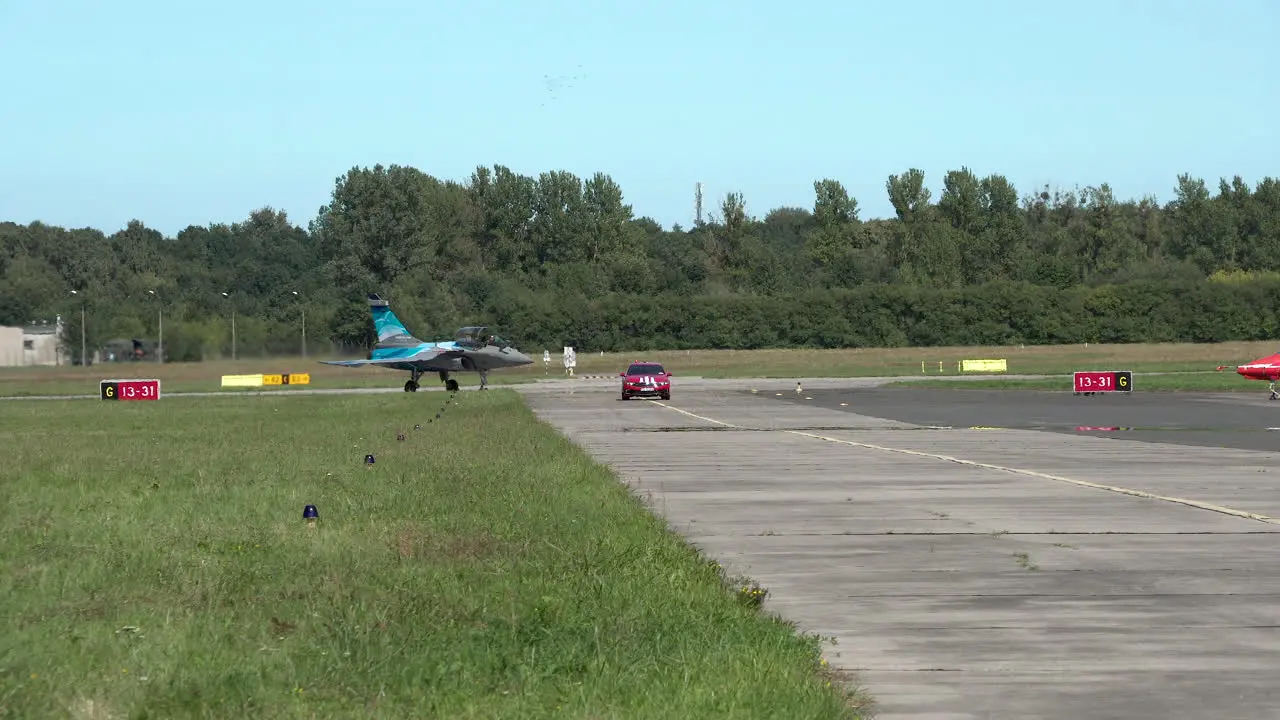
(425, 355)
(358, 363)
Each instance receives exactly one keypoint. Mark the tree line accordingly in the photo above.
(559, 259)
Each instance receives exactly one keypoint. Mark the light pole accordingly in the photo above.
(160, 340)
(303, 308)
(233, 326)
(84, 359)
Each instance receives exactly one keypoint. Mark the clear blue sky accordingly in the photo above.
(182, 113)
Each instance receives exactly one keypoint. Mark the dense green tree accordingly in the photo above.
(561, 259)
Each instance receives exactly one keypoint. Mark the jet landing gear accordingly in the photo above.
(412, 384)
(449, 383)
(1275, 394)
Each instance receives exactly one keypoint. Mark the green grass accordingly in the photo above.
(156, 565)
(1225, 381)
(848, 362)
(207, 377)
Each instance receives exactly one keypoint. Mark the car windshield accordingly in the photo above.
(645, 369)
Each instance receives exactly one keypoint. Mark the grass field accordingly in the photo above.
(156, 564)
(861, 362)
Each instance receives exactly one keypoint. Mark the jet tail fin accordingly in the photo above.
(385, 322)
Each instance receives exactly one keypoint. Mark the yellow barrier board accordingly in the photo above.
(272, 380)
(299, 379)
(983, 366)
(241, 381)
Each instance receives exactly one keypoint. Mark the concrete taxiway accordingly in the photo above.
(1033, 571)
(1247, 421)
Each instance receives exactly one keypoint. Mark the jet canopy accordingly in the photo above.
(478, 336)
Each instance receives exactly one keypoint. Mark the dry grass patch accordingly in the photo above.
(414, 542)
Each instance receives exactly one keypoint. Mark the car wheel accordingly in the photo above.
(666, 396)
(626, 396)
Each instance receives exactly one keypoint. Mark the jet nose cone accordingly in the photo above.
(520, 358)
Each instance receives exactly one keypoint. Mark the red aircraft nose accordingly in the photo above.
(1264, 368)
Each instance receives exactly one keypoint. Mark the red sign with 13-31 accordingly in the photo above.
(130, 389)
(1102, 381)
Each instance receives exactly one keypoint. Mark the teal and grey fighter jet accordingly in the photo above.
(472, 349)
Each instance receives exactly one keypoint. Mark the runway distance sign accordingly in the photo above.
(1103, 381)
(287, 379)
(129, 389)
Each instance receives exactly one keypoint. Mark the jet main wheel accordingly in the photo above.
(411, 386)
(451, 385)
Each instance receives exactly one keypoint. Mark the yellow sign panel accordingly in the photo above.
(983, 366)
(241, 380)
(260, 380)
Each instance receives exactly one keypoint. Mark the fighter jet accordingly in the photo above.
(472, 349)
(1264, 368)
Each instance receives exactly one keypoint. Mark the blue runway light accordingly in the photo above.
(310, 513)
(368, 460)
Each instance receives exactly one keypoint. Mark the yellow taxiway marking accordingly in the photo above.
(1019, 471)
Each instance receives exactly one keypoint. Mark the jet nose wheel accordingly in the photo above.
(411, 386)
(451, 385)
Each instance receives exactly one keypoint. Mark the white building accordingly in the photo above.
(34, 344)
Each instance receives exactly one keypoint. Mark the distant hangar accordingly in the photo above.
(34, 344)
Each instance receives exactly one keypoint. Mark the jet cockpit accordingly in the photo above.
(478, 336)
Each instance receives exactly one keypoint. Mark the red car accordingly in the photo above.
(646, 379)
